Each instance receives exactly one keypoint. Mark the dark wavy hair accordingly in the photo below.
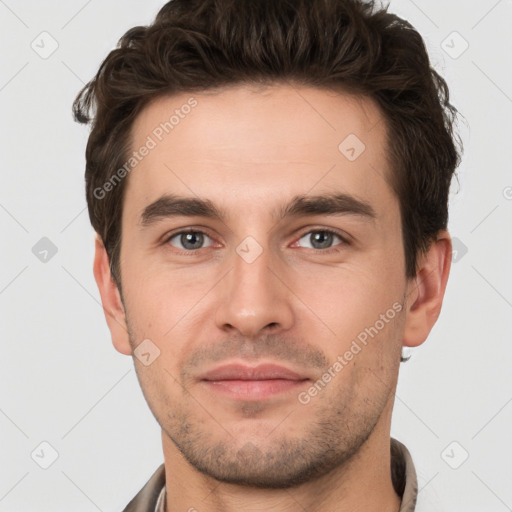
(341, 45)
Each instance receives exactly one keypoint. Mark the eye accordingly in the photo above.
(322, 239)
(189, 240)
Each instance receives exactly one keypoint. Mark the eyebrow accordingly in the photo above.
(170, 205)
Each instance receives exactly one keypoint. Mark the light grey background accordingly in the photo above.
(62, 382)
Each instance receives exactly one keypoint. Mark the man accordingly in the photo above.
(269, 184)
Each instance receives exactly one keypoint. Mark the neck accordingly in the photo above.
(362, 483)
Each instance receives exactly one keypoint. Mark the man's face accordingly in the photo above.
(302, 292)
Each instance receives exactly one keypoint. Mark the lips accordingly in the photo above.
(259, 383)
(261, 372)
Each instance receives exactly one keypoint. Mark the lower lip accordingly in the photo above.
(253, 389)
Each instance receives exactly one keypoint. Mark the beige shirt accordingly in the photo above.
(151, 498)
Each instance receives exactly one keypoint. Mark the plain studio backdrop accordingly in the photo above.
(70, 402)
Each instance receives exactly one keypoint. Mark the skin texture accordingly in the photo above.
(250, 151)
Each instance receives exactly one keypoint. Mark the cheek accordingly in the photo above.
(160, 293)
(168, 307)
(344, 301)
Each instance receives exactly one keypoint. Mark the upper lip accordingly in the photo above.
(243, 372)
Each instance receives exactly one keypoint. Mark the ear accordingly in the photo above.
(425, 291)
(111, 300)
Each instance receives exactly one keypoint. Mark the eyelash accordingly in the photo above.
(344, 240)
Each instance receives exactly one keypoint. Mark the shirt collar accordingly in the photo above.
(160, 504)
(403, 467)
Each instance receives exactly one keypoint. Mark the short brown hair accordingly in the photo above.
(342, 45)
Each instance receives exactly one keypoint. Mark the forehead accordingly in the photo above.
(254, 144)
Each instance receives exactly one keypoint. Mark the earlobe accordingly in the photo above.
(426, 291)
(111, 299)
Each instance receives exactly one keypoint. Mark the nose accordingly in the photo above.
(255, 297)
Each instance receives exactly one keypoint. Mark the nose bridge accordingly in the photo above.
(251, 274)
(253, 297)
